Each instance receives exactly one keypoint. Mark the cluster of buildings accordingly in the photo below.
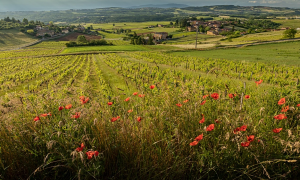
(43, 30)
(157, 36)
(216, 27)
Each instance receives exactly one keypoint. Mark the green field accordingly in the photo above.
(279, 53)
(292, 23)
(13, 39)
(151, 112)
(257, 37)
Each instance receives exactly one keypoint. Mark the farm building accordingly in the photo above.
(160, 35)
(43, 32)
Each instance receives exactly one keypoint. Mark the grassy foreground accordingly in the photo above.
(147, 115)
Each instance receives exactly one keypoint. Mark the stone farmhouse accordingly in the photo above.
(160, 36)
(43, 32)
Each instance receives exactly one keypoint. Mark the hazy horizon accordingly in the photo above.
(45, 5)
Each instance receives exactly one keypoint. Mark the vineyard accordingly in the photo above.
(146, 114)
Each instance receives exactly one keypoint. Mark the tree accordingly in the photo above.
(289, 33)
(51, 23)
(171, 23)
(176, 23)
(201, 29)
(7, 19)
(113, 24)
(207, 28)
(81, 39)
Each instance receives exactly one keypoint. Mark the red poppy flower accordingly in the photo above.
(205, 96)
(258, 82)
(202, 120)
(199, 138)
(68, 106)
(217, 121)
(115, 118)
(152, 86)
(90, 154)
(203, 102)
(110, 103)
(179, 105)
(80, 148)
(84, 100)
(130, 110)
(247, 96)
(60, 108)
(280, 116)
(186, 101)
(281, 101)
(139, 119)
(46, 114)
(215, 96)
(81, 97)
(36, 118)
(77, 115)
(298, 105)
(258, 140)
(231, 95)
(127, 99)
(210, 127)
(142, 95)
(135, 93)
(245, 144)
(194, 143)
(277, 130)
(243, 128)
(250, 138)
(236, 130)
(96, 153)
(285, 109)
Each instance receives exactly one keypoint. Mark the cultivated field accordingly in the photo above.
(257, 37)
(278, 53)
(292, 23)
(149, 114)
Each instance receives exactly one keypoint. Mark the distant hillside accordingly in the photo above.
(10, 39)
(151, 12)
(170, 5)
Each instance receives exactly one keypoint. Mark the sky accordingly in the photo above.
(45, 5)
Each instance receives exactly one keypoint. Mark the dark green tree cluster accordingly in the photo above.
(137, 40)
(82, 41)
(256, 24)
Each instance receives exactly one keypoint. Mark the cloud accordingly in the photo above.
(252, 1)
(271, 2)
